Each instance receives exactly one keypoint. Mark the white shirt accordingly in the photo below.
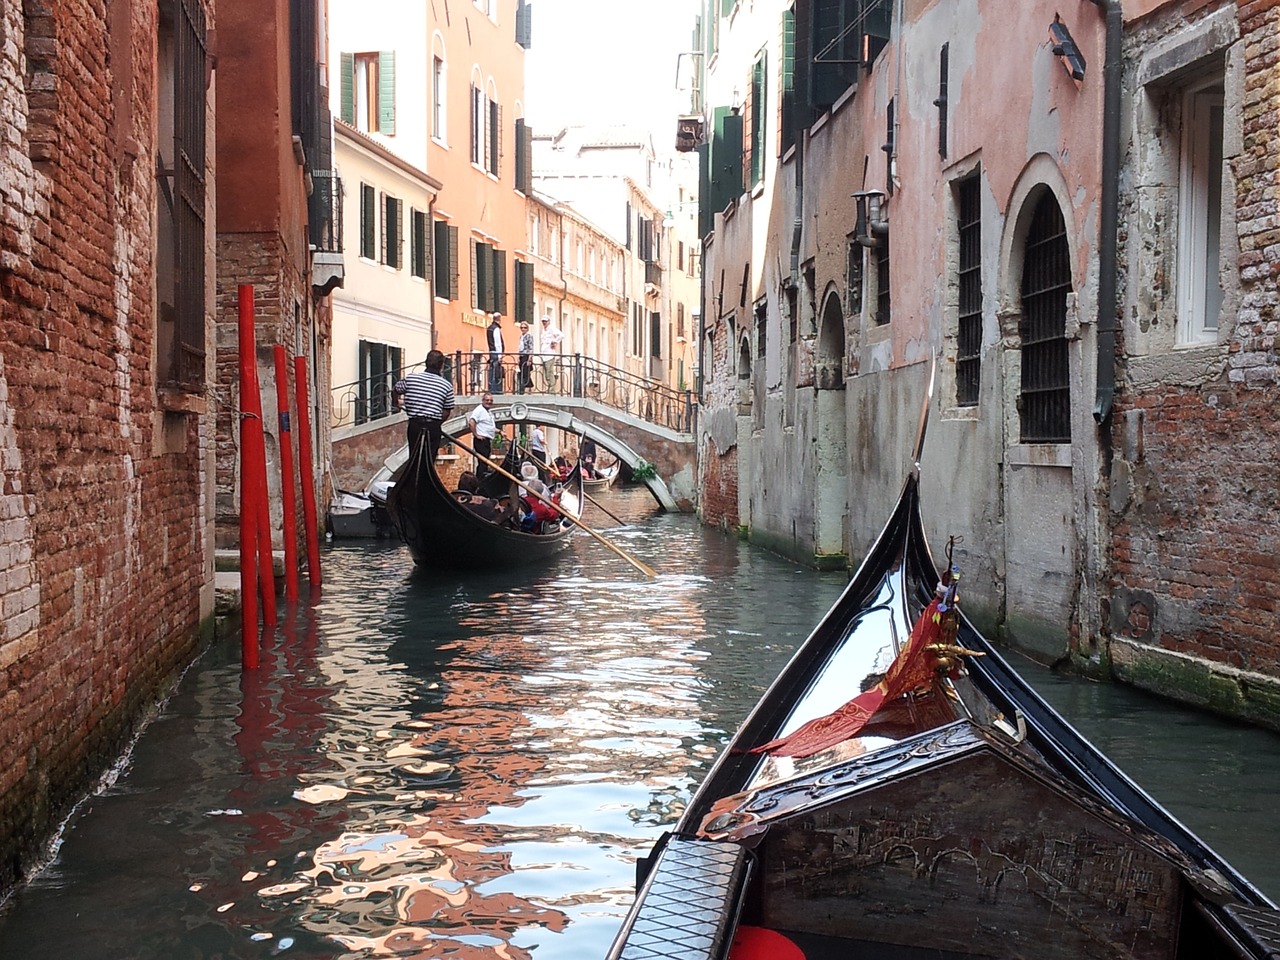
(538, 441)
(550, 338)
(483, 425)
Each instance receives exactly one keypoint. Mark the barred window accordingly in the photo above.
(1045, 400)
(969, 281)
(883, 302)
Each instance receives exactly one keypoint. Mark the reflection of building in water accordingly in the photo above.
(403, 876)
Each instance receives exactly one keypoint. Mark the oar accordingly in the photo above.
(647, 571)
(611, 515)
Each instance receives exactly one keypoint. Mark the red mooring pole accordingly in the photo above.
(287, 499)
(305, 470)
(248, 489)
(256, 463)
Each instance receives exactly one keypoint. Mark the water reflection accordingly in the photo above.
(435, 766)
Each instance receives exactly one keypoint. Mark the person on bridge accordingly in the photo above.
(549, 346)
(526, 356)
(494, 333)
(483, 429)
(427, 399)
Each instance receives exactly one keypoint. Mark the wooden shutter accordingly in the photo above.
(387, 92)
(500, 281)
(479, 265)
(368, 222)
(787, 82)
(524, 24)
(524, 292)
(495, 136)
(347, 67)
(627, 241)
(453, 261)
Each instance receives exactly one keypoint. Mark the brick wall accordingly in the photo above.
(1196, 546)
(719, 493)
(104, 562)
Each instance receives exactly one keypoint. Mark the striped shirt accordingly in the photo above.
(426, 394)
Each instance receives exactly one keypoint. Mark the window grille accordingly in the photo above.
(969, 277)
(1045, 400)
(883, 302)
(189, 193)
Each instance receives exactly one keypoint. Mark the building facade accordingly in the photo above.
(443, 88)
(905, 194)
(107, 365)
(382, 315)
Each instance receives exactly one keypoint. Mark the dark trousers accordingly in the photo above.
(431, 427)
(526, 373)
(484, 447)
(495, 373)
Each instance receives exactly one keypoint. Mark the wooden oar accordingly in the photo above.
(547, 467)
(646, 570)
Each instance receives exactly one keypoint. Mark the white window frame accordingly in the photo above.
(439, 100)
(1200, 211)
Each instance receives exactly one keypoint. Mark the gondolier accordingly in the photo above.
(426, 398)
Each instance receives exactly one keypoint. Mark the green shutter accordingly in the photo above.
(787, 81)
(524, 292)
(478, 266)
(368, 222)
(453, 263)
(440, 271)
(524, 24)
(500, 281)
(347, 66)
(387, 93)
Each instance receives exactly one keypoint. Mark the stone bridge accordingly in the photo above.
(372, 451)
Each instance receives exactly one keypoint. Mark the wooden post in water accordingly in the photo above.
(248, 492)
(304, 470)
(288, 502)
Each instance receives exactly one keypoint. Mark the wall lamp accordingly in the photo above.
(1065, 49)
(872, 224)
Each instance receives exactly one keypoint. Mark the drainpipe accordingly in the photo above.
(1107, 297)
(797, 225)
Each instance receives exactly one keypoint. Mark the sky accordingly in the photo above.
(608, 61)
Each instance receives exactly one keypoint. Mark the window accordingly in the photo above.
(853, 278)
(1045, 399)
(392, 231)
(680, 335)
(969, 283)
(477, 125)
(758, 118)
(883, 302)
(494, 143)
(380, 367)
(369, 91)
(488, 277)
(420, 255)
(845, 35)
(445, 280)
(1200, 213)
(368, 222)
(438, 99)
(655, 335)
(181, 238)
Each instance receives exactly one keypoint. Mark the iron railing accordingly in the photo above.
(364, 401)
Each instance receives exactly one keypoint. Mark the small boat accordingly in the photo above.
(360, 515)
(900, 791)
(602, 480)
(452, 529)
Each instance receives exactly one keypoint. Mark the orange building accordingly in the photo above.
(444, 90)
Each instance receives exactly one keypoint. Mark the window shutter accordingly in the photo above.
(527, 135)
(655, 335)
(382, 231)
(347, 65)
(524, 292)
(440, 267)
(368, 222)
(495, 135)
(787, 82)
(627, 241)
(726, 158)
(478, 265)
(521, 184)
(500, 281)
(453, 262)
(387, 93)
(524, 24)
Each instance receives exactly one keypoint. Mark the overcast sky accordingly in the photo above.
(606, 61)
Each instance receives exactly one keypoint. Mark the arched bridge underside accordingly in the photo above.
(369, 452)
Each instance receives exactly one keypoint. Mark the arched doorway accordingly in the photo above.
(831, 467)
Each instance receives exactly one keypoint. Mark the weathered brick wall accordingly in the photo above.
(1196, 546)
(103, 557)
(278, 288)
(719, 491)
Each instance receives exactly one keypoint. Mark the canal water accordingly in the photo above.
(468, 767)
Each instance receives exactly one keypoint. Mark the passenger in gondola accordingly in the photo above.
(562, 469)
(539, 513)
(587, 457)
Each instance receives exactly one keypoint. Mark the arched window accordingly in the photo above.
(1044, 402)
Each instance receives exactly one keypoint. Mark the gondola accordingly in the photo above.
(962, 818)
(442, 528)
(602, 480)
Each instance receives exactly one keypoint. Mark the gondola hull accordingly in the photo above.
(443, 533)
(966, 819)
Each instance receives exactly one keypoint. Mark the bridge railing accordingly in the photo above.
(472, 373)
